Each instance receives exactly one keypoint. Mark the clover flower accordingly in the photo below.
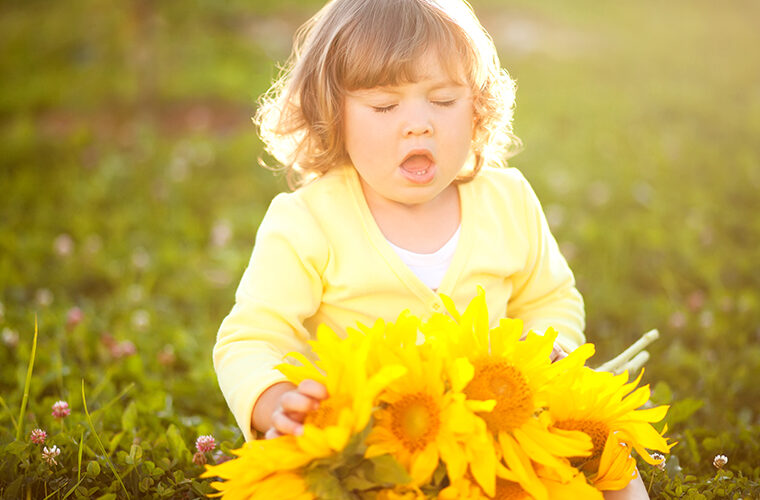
(10, 337)
(719, 461)
(199, 459)
(49, 454)
(61, 409)
(661, 460)
(123, 349)
(140, 320)
(63, 245)
(43, 297)
(166, 356)
(38, 436)
(74, 316)
(205, 443)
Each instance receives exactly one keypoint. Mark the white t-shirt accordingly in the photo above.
(430, 267)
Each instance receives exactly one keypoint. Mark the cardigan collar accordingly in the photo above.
(381, 245)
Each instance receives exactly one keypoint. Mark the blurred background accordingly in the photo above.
(130, 195)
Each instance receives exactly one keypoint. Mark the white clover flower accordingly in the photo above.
(43, 297)
(10, 337)
(661, 458)
(221, 233)
(49, 454)
(719, 461)
(63, 245)
(141, 319)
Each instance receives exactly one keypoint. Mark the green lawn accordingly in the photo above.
(130, 189)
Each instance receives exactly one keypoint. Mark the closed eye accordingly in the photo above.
(384, 109)
(445, 104)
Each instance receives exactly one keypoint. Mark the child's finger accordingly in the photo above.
(313, 388)
(284, 424)
(296, 402)
(557, 354)
(272, 433)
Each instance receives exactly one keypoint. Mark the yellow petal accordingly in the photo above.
(424, 464)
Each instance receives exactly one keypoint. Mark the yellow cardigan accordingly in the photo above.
(320, 257)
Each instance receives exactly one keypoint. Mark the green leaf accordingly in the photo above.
(324, 484)
(135, 453)
(179, 476)
(177, 444)
(16, 448)
(168, 492)
(93, 469)
(682, 410)
(357, 482)
(107, 496)
(357, 444)
(129, 417)
(202, 488)
(387, 471)
(661, 394)
(114, 443)
(145, 484)
(672, 466)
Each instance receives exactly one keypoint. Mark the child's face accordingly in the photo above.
(408, 142)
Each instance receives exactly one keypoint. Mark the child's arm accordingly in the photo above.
(544, 292)
(281, 288)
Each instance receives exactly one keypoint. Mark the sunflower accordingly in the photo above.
(424, 416)
(352, 388)
(262, 467)
(464, 489)
(605, 407)
(507, 489)
(577, 487)
(281, 485)
(516, 373)
(265, 465)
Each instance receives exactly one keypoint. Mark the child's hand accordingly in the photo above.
(290, 413)
(557, 353)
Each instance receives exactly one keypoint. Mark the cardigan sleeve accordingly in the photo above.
(280, 288)
(544, 291)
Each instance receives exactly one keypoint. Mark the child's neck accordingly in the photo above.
(422, 228)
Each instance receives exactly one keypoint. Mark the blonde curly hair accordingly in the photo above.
(358, 44)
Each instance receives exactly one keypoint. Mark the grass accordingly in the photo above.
(131, 192)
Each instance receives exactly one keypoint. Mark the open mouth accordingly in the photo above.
(417, 163)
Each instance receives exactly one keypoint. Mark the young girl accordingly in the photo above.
(393, 118)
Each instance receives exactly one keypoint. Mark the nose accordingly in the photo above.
(418, 123)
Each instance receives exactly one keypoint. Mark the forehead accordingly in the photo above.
(428, 66)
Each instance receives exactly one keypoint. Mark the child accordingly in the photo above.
(393, 118)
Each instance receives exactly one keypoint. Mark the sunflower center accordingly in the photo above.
(497, 379)
(415, 420)
(328, 412)
(509, 490)
(598, 433)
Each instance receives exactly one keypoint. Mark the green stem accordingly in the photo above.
(8, 410)
(100, 443)
(27, 384)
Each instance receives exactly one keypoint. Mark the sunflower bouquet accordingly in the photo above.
(450, 408)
